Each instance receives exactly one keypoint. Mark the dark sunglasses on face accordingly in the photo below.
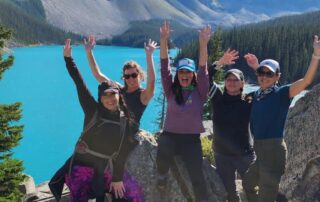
(261, 73)
(109, 94)
(133, 75)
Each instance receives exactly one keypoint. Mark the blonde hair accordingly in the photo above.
(135, 65)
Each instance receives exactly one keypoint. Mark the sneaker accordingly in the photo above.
(162, 181)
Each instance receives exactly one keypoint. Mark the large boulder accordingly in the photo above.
(28, 188)
(308, 188)
(141, 165)
(302, 138)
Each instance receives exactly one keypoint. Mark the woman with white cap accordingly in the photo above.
(268, 115)
(232, 143)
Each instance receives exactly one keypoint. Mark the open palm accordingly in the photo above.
(67, 48)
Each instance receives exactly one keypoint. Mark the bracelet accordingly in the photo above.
(316, 56)
(217, 66)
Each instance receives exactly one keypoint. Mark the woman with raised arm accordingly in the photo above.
(97, 164)
(186, 95)
(268, 115)
(135, 97)
(232, 143)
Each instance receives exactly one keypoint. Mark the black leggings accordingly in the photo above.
(188, 146)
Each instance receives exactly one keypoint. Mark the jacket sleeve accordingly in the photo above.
(214, 90)
(166, 76)
(212, 71)
(87, 101)
(128, 146)
(203, 82)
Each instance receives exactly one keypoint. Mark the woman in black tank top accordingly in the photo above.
(135, 97)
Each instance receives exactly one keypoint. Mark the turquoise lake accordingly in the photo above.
(52, 115)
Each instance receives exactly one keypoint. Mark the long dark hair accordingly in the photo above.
(177, 89)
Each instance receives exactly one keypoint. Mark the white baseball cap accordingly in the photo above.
(271, 64)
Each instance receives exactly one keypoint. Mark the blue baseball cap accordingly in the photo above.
(187, 64)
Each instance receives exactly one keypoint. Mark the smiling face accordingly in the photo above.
(185, 77)
(266, 78)
(132, 78)
(110, 100)
(233, 85)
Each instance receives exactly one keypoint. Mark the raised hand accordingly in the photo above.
(89, 43)
(67, 48)
(229, 57)
(204, 35)
(316, 46)
(118, 189)
(150, 47)
(165, 31)
(252, 60)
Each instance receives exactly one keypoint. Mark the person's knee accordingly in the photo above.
(233, 197)
(248, 183)
(165, 153)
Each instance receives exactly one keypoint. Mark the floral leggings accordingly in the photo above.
(80, 180)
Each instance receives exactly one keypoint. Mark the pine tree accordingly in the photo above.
(214, 53)
(10, 135)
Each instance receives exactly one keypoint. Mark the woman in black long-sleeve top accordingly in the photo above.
(106, 142)
(230, 115)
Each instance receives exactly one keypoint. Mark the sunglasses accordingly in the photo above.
(108, 93)
(133, 75)
(261, 73)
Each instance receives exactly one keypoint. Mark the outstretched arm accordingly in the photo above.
(148, 93)
(95, 69)
(204, 37)
(86, 99)
(228, 58)
(203, 77)
(252, 61)
(166, 76)
(301, 84)
(164, 37)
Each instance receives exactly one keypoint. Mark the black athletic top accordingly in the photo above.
(134, 103)
(107, 137)
(230, 121)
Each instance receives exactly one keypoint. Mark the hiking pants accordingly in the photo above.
(266, 171)
(228, 167)
(188, 146)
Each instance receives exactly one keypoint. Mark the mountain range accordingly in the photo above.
(130, 22)
(107, 18)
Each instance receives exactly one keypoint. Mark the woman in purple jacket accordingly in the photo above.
(186, 95)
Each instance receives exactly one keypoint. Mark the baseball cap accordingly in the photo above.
(187, 64)
(107, 87)
(236, 72)
(271, 64)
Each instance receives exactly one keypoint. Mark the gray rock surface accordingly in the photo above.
(302, 138)
(308, 188)
(142, 165)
